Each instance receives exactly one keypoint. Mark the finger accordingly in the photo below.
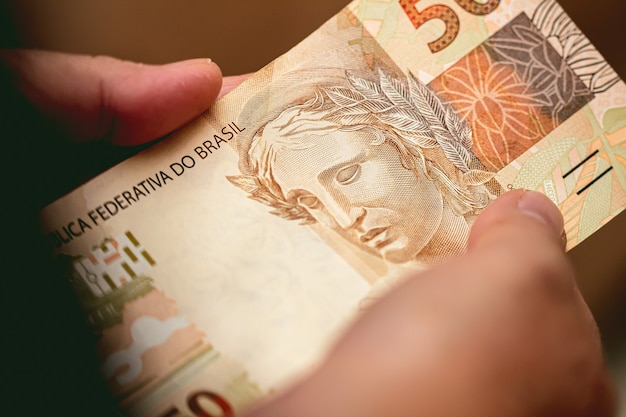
(123, 102)
(516, 247)
(231, 82)
(519, 237)
(518, 206)
(502, 313)
(479, 329)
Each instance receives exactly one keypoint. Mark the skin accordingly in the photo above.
(103, 98)
(499, 331)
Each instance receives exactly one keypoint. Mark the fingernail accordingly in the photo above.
(542, 208)
(563, 240)
(194, 61)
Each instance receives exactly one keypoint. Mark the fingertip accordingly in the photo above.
(524, 210)
(162, 98)
(204, 75)
(542, 208)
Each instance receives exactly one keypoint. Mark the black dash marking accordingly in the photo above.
(606, 171)
(580, 163)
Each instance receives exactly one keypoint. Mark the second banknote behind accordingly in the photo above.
(220, 264)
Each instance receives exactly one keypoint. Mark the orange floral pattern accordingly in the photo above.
(513, 90)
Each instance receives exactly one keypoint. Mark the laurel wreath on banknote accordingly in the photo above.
(416, 114)
(410, 111)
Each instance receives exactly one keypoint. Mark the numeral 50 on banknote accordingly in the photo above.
(447, 15)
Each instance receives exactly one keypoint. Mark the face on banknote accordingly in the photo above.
(220, 264)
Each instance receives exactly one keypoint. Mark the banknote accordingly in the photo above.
(219, 265)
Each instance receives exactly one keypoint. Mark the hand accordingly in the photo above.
(123, 102)
(501, 331)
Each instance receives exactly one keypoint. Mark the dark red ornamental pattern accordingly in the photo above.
(193, 402)
(196, 407)
(447, 16)
(476, 8)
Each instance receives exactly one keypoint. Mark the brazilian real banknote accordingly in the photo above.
(219, 265)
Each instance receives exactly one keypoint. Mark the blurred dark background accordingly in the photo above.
(241, 36)
(48, 366)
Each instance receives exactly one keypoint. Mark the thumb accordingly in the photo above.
(500, 330)
(106, 98)
(518, 239)
(520, 218)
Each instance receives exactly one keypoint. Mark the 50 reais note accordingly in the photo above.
(218, 265)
